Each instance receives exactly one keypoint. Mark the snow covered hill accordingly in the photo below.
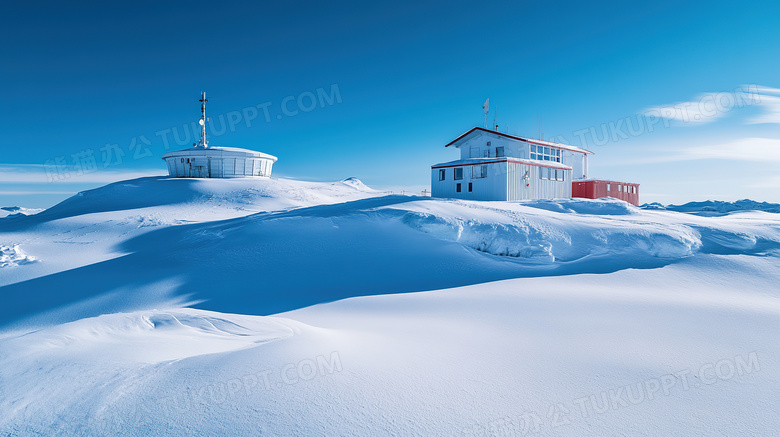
(7, 211)
(283, 307)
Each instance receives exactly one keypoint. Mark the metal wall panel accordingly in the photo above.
(523, 183)
(492, 187)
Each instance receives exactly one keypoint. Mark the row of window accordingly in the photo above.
(553, 174)
(630, 189)
(499, 151)
(544, 153)
(481, 171)
(477, 172)
(458, 187)
(486, 153)
(544, 173)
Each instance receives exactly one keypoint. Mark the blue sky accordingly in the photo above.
(392, 83)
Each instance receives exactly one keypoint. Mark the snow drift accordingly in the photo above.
(349, 240)
(12, 255)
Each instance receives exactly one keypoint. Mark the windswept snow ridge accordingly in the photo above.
(608, 229)
(12, 255)
(160, 335)
(606, 206)
(537, 240)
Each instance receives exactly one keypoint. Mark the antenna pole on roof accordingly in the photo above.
(486, 109)
(495, 113)
(203, 142)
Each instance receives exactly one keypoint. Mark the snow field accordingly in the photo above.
(281, 307)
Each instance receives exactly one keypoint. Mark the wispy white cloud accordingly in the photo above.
(708, 107)
(770, 182)
(769, 100)
(37, 174)
(744, 149)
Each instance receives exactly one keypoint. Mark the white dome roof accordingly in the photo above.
(221, 152)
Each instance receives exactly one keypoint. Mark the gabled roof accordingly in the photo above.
(525, 140)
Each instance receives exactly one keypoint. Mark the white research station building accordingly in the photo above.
(204, 161)
(499, 166)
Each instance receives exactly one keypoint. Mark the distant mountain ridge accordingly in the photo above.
(715, 207)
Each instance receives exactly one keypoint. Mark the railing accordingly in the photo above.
(424, 193)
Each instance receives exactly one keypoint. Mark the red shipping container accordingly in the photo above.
(598, 188)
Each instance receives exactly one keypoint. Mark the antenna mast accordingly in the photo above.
(486, 108)
(203, 143)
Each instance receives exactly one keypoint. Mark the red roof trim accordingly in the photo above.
(469, 163)
(526, 140)
(566, 167)
(586, 181)
(562, 166)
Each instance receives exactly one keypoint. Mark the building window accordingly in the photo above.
(457, 188)
(479, 171)
(488, 143)
(541, 153)
(442, 174)
(609, 187)
(635, 189)
(469, 187)
(499, 152)
(484, 171)
(458, 174)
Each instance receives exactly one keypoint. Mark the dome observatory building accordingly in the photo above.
(204, 161)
